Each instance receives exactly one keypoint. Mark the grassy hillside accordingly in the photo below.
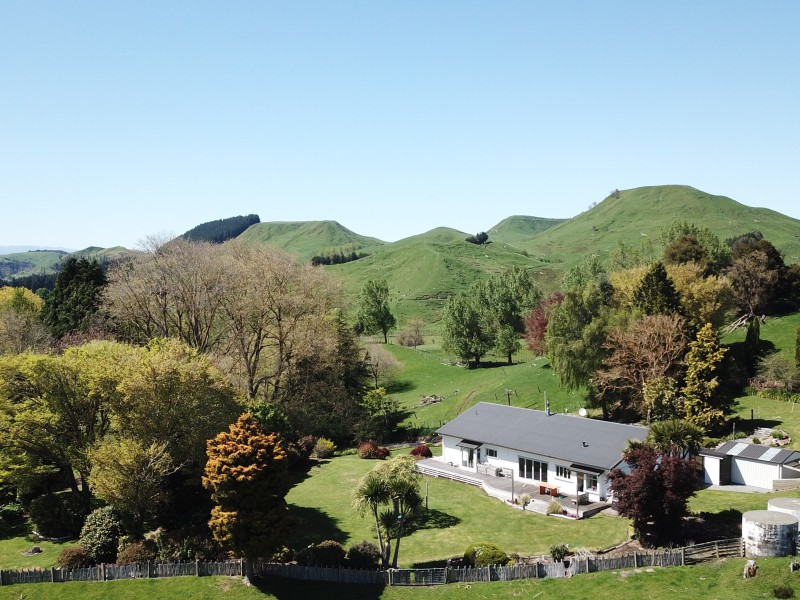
(640, 213)
(520, 228)
(35, 262)
(308, 238)
(424, 270)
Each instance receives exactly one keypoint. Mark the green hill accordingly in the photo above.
(34, 262)
(520, 228)
(309, 238)
(636, 214)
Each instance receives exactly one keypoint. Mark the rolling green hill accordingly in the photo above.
(520, 228)
(34, 262)
(309, 238)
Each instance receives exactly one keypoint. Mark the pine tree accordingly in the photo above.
(705, 406)
(76, 296)
(656, 294)
(247, 475)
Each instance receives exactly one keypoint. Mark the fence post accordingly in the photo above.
(52, 574)
(1, 577)
(241, 567)
(716, 549)
(103, 570)
(683, 556)
(196, 567)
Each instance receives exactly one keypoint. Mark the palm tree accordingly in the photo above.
(676, 435)
(372, 491)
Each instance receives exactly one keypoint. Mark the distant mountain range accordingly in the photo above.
(424, 269)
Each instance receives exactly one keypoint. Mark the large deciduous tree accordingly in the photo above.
(374, 314)
(247, 475)
(655, 494)
(536, 323)
(467, 328)
(21, 327)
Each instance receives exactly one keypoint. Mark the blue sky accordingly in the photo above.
(122, 120)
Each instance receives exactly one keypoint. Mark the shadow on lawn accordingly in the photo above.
(287, 589)
(435, 519)
(311, 526)
(398, 386)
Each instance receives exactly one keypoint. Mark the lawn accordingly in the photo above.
(12, 551)
(716, 580)
(458, 516)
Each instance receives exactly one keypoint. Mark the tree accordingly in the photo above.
(76, 297)
(656, 294)
(536, 323)
(380, 362)
(479, 238)
(686, 249)
(132, 477)
(676, 436)
(705, 405)
(753, 281)
(507, 342)
(704, 298)
(656, 492)
(509, 295)
(650, 348)
(467, 328)
(247, 475)
(373, 308)
(21, 328)
(752, 345)
(662, 399)
(683, 235)
(395, 483)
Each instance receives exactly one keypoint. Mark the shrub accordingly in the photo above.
(74, 557)
(56, 515)
(282, 555)
(783, 591)
(137, 552)
(409, 339)
(186, 544)
(305, 556)
(483, 555)
(382, 453)
(554, 508)
(422, 451)
(368, 450)
(779, 435)
(324, 448)
(524, 500)
(756, 440)
(11, 512)
(364, 555)
(559, 552)
(329, 554)
(100, 535)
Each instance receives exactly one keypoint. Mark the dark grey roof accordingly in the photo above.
(570, 438)
(755, 452)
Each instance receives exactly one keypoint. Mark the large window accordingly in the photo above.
(591, 483)
(532, 469)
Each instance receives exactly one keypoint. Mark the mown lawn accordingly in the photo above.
(458, 516)
(711, 581)
(12, 551)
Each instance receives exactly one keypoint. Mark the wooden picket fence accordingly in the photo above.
(575, 565)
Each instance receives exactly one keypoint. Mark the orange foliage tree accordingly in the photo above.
(247, 475)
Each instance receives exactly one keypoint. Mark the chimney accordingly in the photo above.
(546, 405)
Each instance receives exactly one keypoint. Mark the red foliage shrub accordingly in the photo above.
(421, 451)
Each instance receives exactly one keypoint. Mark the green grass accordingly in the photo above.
(12, 557)
(711, 581)
(459, 515)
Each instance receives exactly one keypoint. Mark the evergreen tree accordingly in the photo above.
(247, 475)
(76, 296)
(656, 294)
(705, 406)
(373, 314)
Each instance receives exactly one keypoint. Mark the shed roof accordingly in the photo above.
(574, 439)
(755, 452)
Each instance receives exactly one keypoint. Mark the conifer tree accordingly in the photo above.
(76, 296)
(247, 475)
(656, 294)
(705, 406)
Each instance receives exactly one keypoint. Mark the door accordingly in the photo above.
(471, 458)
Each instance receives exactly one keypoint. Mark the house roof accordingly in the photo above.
(755, 452)
(580, 440)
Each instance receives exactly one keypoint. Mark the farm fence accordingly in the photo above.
(575, 565)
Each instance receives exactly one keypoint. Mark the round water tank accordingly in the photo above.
(790, 506)
(769, 533)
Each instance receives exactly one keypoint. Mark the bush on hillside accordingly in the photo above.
(74, 557)
(421, 451)
(409, 339)
(100, 535)
(364, 555)
(483, 555)
(368, 450)
(56, 515)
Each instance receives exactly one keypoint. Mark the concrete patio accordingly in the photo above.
(503, 487)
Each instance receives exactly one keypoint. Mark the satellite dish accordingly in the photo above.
(582, 412)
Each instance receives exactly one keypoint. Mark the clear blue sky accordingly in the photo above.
(121, 120)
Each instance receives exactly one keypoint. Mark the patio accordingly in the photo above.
(504, 486)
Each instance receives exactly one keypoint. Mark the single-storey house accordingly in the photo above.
(562, 454)
(749, 464)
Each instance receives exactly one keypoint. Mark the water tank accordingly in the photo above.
(769, 533)
(790, 506)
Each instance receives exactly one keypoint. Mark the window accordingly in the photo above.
(563, 472)
(491, 453)
(532, 469)
(591, 483)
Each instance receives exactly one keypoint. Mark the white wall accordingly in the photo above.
(750, 472)
(711, 469)
(509, 459)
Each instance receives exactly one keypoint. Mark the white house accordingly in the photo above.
(562, 454)
(749, 464)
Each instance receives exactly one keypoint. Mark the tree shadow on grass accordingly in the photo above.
(290, 589)
(312, 526)
(707, 527)
(398, 386)
(435, 519)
